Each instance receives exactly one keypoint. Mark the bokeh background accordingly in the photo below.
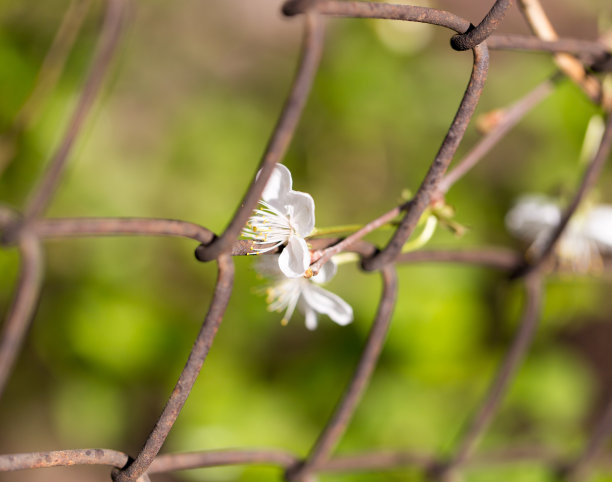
(178, 132)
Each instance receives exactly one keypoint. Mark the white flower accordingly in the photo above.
(284, 217)
(588, 233)
(304, 293)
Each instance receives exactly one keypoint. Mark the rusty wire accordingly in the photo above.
(27, 231)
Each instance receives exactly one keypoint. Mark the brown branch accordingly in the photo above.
(281, 136)
(540, 25)
(498, 258)
(594, 50)
(215, 458)
(49, 73)
(337, 424)
(510, 117)
(416, 207)
(75, 227)
(491, 402)
(58, 458)
(478, 34)
(188, 376)
(439, 165)
(23, 306)
(43, 192)
(589, 179)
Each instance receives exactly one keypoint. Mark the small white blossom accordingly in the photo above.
(587, 235)
(285, 217)
(285, 294)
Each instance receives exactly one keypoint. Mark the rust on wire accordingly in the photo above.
(29, 231)
(510, 117)
(78, 227)
(439, 165)
(188, 376)
(479, 34)
(58, 458)
(280, 139)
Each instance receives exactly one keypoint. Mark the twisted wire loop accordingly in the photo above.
(479, 34)
(27, 231)
(188, 376)
(337, 424)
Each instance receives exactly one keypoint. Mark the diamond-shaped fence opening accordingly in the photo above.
(387, 84)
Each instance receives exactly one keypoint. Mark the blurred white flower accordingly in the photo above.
(587, 235)
(285, 294)
(285, 217)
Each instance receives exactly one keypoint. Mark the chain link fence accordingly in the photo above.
(26, 228)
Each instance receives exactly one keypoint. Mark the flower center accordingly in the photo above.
(268, 228)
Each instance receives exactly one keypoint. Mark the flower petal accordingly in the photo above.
(301, 211)
(310, 316)
(598, 226)
(531, 216)
(278, 185)
(327, 272)
(327, 303)
(295, 258)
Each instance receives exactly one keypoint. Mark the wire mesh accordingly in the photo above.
(25, 229)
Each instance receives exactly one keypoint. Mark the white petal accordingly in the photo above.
(278, 185)
(531, 216)
(301, 211)
(327, 303)
(327, 272)
(295, 258)
(311, 318)
(598, 226)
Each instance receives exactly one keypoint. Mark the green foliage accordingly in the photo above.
(178, 134)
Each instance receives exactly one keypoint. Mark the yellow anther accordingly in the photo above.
(284, 321)
(308, 273)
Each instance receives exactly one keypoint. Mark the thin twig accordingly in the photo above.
(589, 179)
(284, 130)
(188, 376)
(343, 413)
(498, 258)
(491, 402)
(486, 27)
(21, 311)
(438, 167)
(588, 48)
(42, 194)
(540, 25)
(510, 117)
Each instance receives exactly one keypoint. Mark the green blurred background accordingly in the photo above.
(178, 132)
